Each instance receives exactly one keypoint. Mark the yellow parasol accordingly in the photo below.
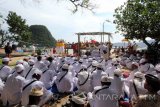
(125, 40)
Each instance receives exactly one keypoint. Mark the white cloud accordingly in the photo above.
(60, 21)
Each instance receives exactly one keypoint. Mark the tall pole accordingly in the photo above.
(79, 51)
(108, 45)
(103, 31)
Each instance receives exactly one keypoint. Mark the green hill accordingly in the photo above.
(42, 36)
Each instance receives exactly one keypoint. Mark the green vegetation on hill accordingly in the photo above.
(42, 36)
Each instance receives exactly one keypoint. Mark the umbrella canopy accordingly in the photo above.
(125, 40)
(93, 41)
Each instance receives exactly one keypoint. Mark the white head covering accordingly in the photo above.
(31, 62)
(37, 71)
(142, 60)
(135, 63)
(81, 60)
(84, 56)
(106, 79)
(94, 63)
(157, 67)
(118, 72)
(114, 60)
(84, 66)
(90, 59)
(82, 76)
(76, 59)
(19, 68)
(144, 68)
(65, 66)
(5, 59)
(19, 62)
(139, 75)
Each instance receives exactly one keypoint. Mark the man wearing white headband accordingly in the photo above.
(28, 72)
(78, 66)
(102, 96)
(93, 67)
(117, 82)
(136, 86)
(5, 70)
(13, 87)
(128, 63)
(112, 67)
(96, 76)
(134, 69)
(64, 80)
(39, 62)
(47, 75)
(84, 82)
(30, 84)
(145, 66)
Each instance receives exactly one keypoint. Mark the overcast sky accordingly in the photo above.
(60, 21)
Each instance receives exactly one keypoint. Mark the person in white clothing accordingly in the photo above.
(145, 67)
(28, 72)
(136, 86)
(30, 84)
(47, 75)
(93, 67)
(103, 96)
(52, 65)
(134, 69)
(117, 82)
(12, 92)
(78, 66)
(5, 70)
(35, 97)
(84, 82)
(1, 88)
(39, 62)
(96, 76)
(64, 80)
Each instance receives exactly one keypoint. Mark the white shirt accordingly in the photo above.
(1, 88)
(28, 72)
(38, 64)
(139, 85)
(117, 85)
(5, 72)
(96, 77)
(77, 67)
(13, 89)
(25, 94)
(85, 85)
(47, 78)
(103, 98)
(66, 84)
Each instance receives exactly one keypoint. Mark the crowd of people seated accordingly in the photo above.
(95, 80)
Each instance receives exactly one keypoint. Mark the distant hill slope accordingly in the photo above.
(140, 44)
(42, 36)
